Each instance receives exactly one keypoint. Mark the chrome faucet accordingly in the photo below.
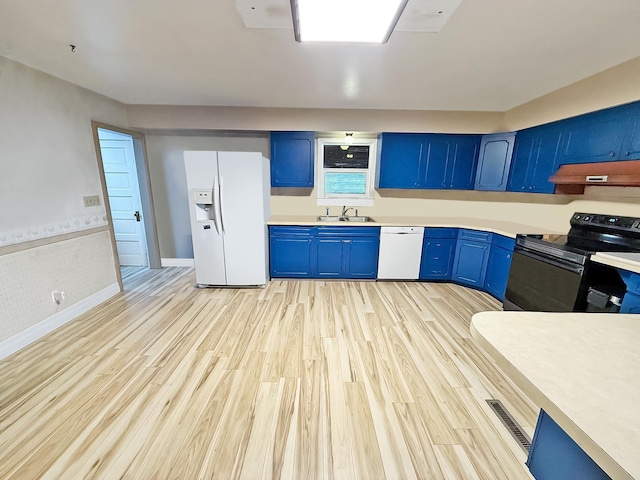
(343, 215)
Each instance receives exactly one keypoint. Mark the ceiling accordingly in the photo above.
(491, 55)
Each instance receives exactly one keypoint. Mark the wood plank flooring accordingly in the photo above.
(300, 380)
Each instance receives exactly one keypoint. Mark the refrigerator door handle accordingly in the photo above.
(220, 195)
(215, 204)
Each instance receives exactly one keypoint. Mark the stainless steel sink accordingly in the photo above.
(359, 219)
(336, 218)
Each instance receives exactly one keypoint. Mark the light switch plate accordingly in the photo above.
(91, 200)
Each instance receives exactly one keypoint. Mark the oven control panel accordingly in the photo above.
(612, 221)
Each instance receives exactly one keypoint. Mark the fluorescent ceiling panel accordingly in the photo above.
(346, 21)
(426, 16)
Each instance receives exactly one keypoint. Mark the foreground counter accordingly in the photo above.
(583, 369)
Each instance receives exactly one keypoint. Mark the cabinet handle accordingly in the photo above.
(627, 153)
(611, 154)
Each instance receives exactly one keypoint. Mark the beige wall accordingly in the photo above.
(159, 117)
(546, 211)
(48, 162)
(616, 86)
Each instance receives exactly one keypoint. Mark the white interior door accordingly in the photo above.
(118, 161)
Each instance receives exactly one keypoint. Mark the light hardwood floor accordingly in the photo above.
(300, 380)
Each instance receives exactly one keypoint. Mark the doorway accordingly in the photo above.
(127, 194)
(119, 166)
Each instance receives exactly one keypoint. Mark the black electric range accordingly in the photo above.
(553, 273)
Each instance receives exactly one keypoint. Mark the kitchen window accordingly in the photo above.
(346, 172)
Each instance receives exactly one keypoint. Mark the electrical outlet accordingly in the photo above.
(91, 200)
(58, 296)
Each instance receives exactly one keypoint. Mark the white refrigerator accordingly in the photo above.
(229, 206)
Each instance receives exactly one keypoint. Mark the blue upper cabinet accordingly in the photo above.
(292, 157)
(464, 162)
(494, 161)
(595, 137)
(631, 142)
(427, 161)
(437, 156)
(535, 159)
(401, 162)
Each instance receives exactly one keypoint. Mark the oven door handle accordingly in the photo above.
(572, 267)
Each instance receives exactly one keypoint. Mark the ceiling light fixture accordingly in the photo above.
(345, 21)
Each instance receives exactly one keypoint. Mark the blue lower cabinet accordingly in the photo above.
(362, 257)
(290, 252)
(324, 252)
(329, 257)
(631, 300)
(495, 281)
(554, 455)
(438, 250)
(472, 258)
(630, 303)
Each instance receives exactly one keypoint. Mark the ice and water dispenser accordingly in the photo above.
(203, 200)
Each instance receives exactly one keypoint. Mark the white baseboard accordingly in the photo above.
(49, 324)
(177, 262)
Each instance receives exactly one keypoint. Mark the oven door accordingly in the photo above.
(543, 283)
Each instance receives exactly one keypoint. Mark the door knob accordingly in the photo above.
(137, 215)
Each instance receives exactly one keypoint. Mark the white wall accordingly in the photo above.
(48, 162)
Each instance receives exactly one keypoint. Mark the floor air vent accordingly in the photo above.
(505, 417)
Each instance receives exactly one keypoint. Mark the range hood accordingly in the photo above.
(571, 179)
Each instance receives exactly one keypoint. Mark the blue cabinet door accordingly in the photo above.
(631, 143)
(292, 157)
(437, 258)
(630, 303)
(362, 257)
(523, 155)
(438, 154)
(463, 162)
(535, 159)
(290, 252)
(494, 161)
(470, 264)
(595, 137)
(401, 161)
(495, 281)
(545, 161)
(329, 257)
(631, 300)
(554, 455)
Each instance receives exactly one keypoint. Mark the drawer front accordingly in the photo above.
(349, 232)
(504, 242)
(278, 230)
(475, 235)
(441, 232)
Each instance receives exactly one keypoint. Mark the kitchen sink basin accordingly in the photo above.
(359, 219)
(336, 218)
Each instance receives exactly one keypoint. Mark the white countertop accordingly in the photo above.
(625, 261)
(509, 229)
(583, 369)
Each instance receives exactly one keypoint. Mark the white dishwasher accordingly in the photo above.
(400, 253)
